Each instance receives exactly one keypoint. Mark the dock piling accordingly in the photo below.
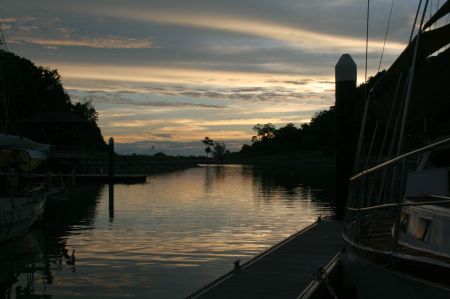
(345, 75)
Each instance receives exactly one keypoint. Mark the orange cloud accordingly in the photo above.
(174, 75)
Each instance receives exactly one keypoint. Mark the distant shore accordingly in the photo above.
(152, 167)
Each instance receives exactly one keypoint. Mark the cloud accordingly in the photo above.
(206, 78)
(108, 42)
(315, 92)
(296, 82)
(7, 20)
(306, 39)
(121, 98)
(52, 32)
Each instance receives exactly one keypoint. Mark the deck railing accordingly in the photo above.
(376, 197)
(428, 148)
(366, 224)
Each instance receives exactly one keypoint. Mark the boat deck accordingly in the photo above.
(379, 237)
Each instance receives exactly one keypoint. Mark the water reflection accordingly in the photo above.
(27, 265)
(15, 256)
(111, 202)
(165, 238)
(316, 181)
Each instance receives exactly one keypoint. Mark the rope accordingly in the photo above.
(322, 276)
(385, 35)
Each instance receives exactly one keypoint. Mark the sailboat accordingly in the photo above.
(397, 231)
(21, 202)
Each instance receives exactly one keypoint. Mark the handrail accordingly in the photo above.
(404, 204)
(406, 155)
(438, 196)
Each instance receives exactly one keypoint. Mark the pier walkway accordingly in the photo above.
(284, 270)
(89, 178)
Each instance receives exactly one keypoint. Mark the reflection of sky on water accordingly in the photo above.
(179, 231)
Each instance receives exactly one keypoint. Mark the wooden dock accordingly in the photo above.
(104, 178)
(90, 178)
(283, 271)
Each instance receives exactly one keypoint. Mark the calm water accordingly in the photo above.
(162, 239)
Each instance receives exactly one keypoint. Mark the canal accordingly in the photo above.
(165, 238)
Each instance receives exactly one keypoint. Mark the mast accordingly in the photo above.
(3, 100)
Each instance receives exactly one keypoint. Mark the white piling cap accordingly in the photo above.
(345, 69)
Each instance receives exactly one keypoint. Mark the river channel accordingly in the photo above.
(165, 238)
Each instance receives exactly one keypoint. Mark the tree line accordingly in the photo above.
(28, 90)
(318, 135)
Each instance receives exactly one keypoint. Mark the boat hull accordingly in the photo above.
(17, 215)
(373, 280)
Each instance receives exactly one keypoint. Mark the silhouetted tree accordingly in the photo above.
(219, 150)
(86, 110)
(31, 90)
(316, 135)
(209, 143)
(263, 131)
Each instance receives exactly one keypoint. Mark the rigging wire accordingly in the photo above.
(410, 81)
(385, 35)
(3, 44)
(437, 8)
(415, 21)
(367, 97)
(431, 10)
(435, 23)
(367, 38)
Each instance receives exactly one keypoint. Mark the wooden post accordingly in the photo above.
(345, 74)
(111, 160)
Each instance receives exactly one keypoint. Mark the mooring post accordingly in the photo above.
(111, 160)
(345, 75)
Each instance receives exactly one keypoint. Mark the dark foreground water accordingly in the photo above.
(162, 239)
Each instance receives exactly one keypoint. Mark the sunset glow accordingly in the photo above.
(165, 74)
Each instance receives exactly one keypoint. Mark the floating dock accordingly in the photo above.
(104, 178)
(284, 271)
(91, 178)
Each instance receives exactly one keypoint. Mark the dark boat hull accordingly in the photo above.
(379, 275)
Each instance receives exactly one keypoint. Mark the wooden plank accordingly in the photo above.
(284, 271)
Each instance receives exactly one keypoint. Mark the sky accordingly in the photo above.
(165, 74)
